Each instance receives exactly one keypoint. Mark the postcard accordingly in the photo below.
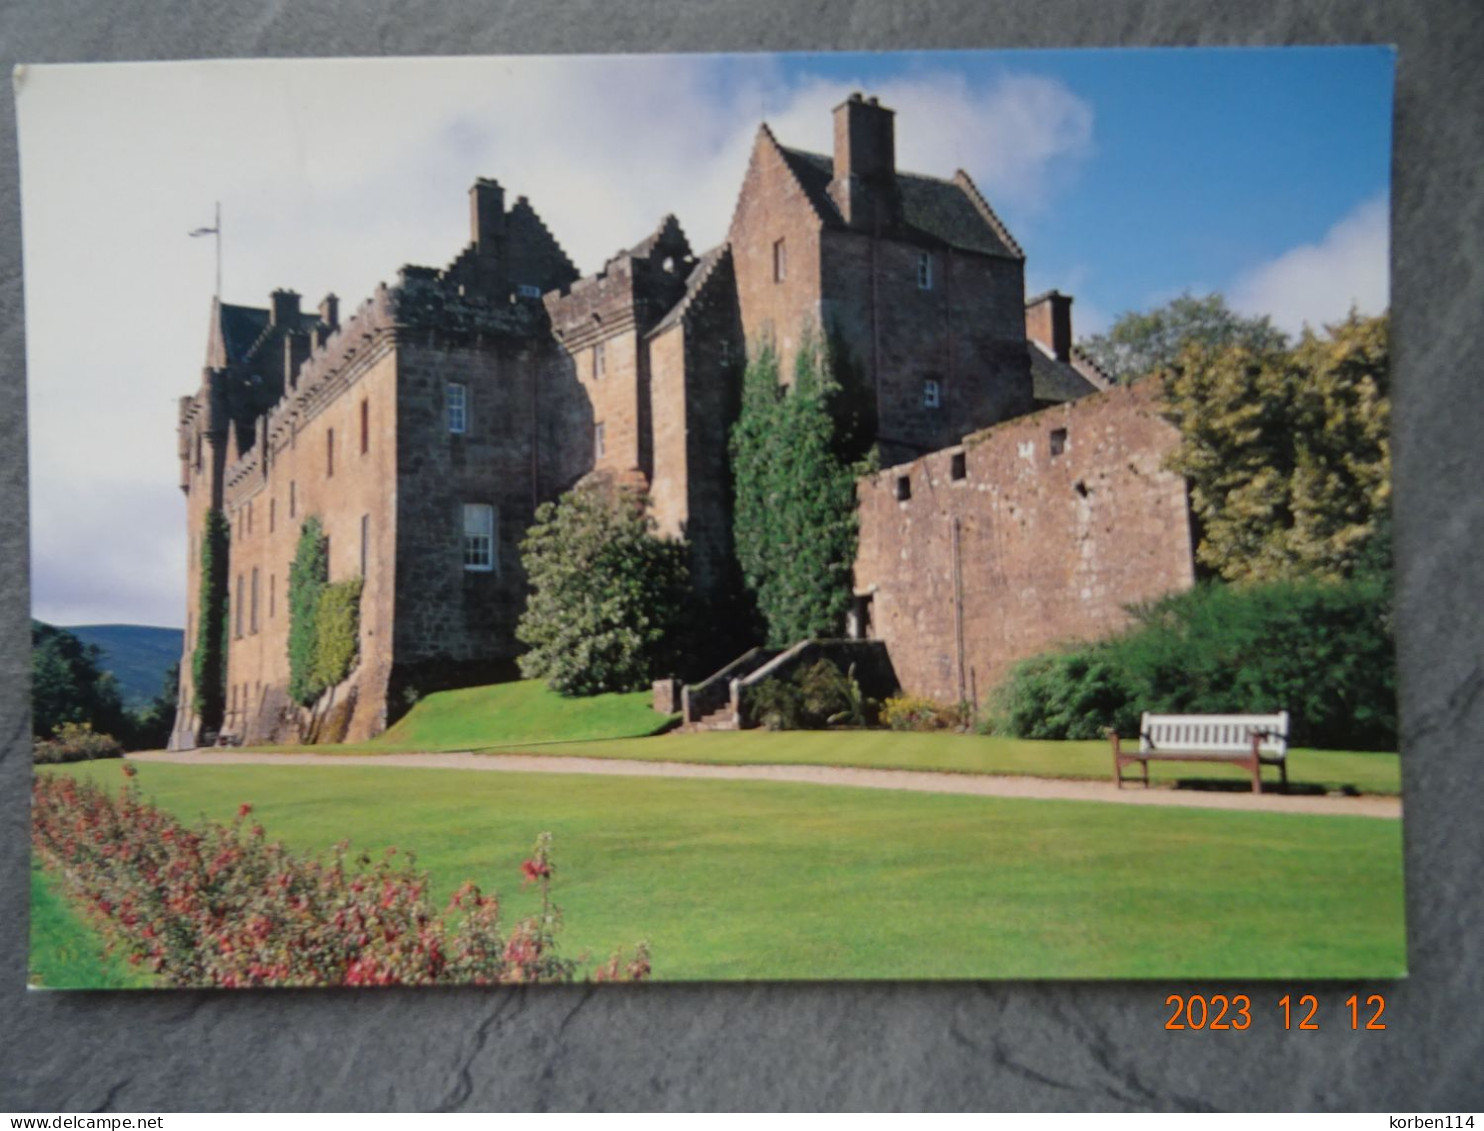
(673, 518)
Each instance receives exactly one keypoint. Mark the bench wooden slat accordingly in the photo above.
(1252, 741)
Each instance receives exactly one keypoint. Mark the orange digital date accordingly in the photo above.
(1222, 1011)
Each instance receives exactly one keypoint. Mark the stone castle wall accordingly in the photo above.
(1062, 518)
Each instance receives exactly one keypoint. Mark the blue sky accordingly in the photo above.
(1127, 176)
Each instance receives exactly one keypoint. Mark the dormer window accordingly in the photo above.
(924, 270)
(780, 261)
(932, 393)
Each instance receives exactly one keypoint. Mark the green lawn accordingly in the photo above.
(771, 880)
(979, 754)
(504, 714)
(66, 953)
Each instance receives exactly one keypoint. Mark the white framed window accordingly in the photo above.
(456, 397)
(932, 393)
(479, 537)
(599, 441)
(527, 290)
(600, 360)
(924, 270)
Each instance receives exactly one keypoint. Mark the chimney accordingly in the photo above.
(329, 311)
(1048, 320)
(283, 309)
(486, 215)
(864, 185)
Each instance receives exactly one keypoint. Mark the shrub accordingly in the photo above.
(337, 630)
(777, 704)
(818, 696)
(1321, 651)
(219, 905)
(76, 742)
(609, 600)
(911, 712)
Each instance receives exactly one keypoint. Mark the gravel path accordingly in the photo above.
(916, 781)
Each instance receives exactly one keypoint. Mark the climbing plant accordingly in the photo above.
(308, 575)
(209, 660)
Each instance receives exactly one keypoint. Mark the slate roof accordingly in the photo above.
(242, 326)
(939, 210)
(1054, 381)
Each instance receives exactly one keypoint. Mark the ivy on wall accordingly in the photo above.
(209, 661)
(324, 619)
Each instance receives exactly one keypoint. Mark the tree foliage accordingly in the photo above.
(794, 520)
(1286, 452)
(309, 573)
(609, 599)
(209, 660)
(69, 685)
(1141, 343)
(337, 632)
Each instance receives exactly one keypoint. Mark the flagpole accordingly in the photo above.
(218, 252)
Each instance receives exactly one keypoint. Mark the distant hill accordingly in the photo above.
(137, 655)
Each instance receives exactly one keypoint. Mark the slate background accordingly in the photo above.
(941, 1046)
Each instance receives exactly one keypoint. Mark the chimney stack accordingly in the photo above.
(486, 216)
(283, 309)
(329, 311)
(864, 187)
(1048, 320)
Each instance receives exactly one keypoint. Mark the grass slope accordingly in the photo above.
(137, 655)
(66, 953)
(1367, 772)
(525, 712)
(768, 880)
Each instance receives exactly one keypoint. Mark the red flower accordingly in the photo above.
(534, 870)
(244, 809)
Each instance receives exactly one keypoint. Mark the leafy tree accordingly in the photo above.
(609, 600)
(1139, 344)
(309, 573)
(150, 727)
(69, 685)
(209, 660)
(794, 521)
(1287, 452)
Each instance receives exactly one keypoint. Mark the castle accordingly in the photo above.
(1024, 501)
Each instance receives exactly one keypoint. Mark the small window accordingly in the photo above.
(925, 271)
(599, 444)
(479, 537)
(253, 614)
(329, 453)
(272, 593)
(958, 467)
(932, 394)
(365, 541)
(293, 498)
(904, 488)
(272, 514)
(780, 261)
(600, 360)
(365, 426)
(237, 616)
(526, 290)
(1058, 441)
(457, 398)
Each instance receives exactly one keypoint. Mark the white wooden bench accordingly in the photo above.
(1252, 741)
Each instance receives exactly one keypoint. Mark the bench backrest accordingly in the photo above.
(1214, 733)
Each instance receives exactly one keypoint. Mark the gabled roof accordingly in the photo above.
(941, 211)
(243, 326)
(695, 282)
(1053, 381)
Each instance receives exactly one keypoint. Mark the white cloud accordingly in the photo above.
(331, 175)
(1316, 284)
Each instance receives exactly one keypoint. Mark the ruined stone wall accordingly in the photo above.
(268, 498)
(966, 331)
(1063, 517)
(773, 207)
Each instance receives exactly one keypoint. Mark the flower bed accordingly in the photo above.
(220, 905)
